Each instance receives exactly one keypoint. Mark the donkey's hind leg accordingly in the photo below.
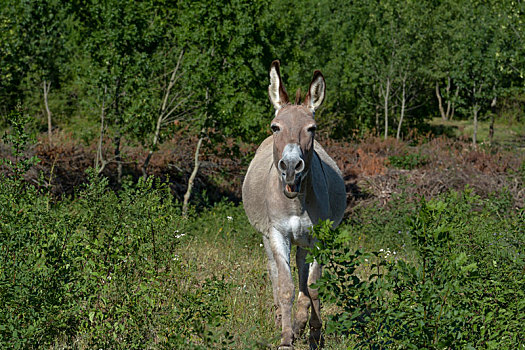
(303, 300)
(272, 270)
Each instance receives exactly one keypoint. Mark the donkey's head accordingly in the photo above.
(293, 129)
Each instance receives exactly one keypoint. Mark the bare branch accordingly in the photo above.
(176, 106)
(47, 87)
(192, 177)
(100, 163)
(172, 82)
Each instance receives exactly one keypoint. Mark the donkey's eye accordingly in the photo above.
(311, 128)
(275, 128)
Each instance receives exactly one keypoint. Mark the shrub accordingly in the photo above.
(100, 269)
(408, 161)
(464, 289)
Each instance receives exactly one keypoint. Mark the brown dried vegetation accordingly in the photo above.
(369, 176)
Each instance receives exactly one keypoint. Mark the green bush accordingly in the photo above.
(408, 161)
(464, 288)
(100, 269)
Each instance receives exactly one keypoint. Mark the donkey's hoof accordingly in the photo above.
(298, 331)
(316, 341)
(285, 347)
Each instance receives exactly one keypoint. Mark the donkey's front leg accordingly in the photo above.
(303, 301)
(281, 245)
(272, 270)
(316, 338)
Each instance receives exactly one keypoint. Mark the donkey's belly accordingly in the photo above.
(297, 228)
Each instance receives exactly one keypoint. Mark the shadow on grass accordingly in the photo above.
(443, 130)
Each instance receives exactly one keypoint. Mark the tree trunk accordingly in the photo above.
(47, 87)
(153, 146)
(196, 166)
(452, 110)
(118, 157)
(118, 136)
(475, 134)
(449, 112)
(476, 108)
(386, 100)
(492, 117)
(100, 163)
(403, 104)
(377, 120)
(440, 102)
(449, 101)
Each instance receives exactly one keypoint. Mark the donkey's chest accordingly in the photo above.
(297, 227)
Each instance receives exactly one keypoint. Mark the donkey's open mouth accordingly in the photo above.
(292, 190)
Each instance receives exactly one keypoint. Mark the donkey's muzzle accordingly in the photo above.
(291, 166)
(291, 176)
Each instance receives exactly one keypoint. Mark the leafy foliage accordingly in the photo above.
(408, 161)
(100, 269)
(458, 292)
(19, 140)
(381, 61)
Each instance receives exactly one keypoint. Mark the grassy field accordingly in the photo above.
(505, 134)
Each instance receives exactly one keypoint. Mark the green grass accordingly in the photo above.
(223, 243)
(506, 134)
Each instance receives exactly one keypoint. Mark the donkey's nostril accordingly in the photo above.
(282, 166)
(300, 166)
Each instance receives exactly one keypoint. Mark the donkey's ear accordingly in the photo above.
(315, 96)
(276, 90)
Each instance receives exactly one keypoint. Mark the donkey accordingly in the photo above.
(291, 184)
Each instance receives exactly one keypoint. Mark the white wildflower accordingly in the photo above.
(230, 218)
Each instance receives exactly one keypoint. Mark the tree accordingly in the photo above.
(37, 55)
(479, 42)
(389, 51)
(175, 104)
(444, 60)
(121, 37)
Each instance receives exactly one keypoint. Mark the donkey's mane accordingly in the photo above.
(298, 96)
